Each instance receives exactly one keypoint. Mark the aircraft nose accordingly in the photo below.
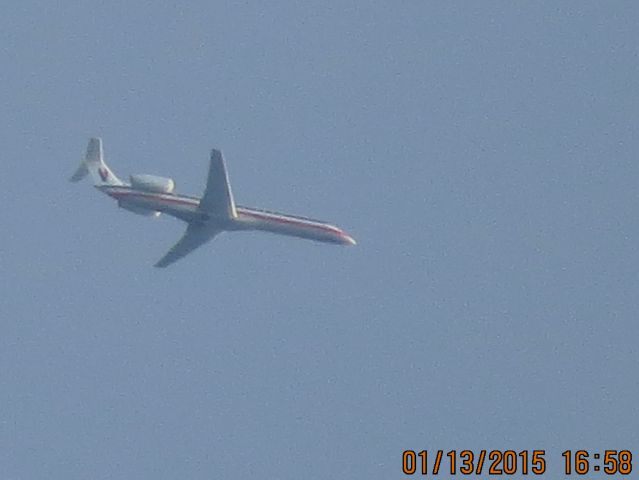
(348, 240)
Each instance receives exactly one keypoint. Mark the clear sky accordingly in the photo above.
(483, 154)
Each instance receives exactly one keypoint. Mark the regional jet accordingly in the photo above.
(213, 213)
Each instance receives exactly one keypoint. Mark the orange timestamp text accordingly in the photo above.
(467, 462)
(511, 462)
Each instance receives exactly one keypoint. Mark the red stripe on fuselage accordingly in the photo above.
(178, 200)
(241, 210)
(291, 221)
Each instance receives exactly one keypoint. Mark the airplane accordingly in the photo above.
(206, 217)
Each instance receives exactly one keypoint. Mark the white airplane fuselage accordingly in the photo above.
(187, 208)
(207, 216)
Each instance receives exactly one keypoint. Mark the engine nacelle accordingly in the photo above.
(152, 183)
(138, 210)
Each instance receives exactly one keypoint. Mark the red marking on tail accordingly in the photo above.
(104, 173)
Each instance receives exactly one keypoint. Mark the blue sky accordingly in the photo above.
(483, 155)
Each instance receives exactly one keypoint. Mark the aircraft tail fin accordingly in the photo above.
(93, 163)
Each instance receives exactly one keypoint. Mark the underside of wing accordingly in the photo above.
(218, 198)
(195, 236)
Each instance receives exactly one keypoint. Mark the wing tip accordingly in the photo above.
(165, 261)
(195, 236)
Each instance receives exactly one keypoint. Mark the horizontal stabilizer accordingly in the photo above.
(80, 173)
(95, 152)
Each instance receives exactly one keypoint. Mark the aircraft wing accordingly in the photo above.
(195, 236)
(218, 198)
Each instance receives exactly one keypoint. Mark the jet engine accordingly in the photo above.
(138, 210)
(152, 183)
